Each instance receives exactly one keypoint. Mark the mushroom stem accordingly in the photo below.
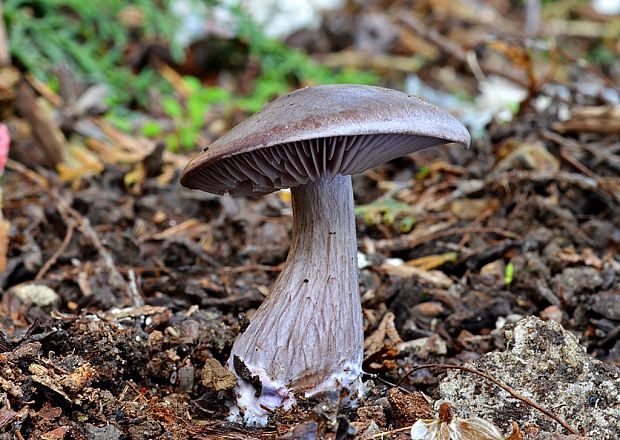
(307, 335)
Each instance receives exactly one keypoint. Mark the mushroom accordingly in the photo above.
(307, 335)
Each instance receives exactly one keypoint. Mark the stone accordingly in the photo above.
(546, 364)
(552, 313)
(216, 377)
(37, 294)
(606, 304)
(574, 281)
(107, 432)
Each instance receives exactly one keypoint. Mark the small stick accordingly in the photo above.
(575, 163)
(408, 242)
(393, 431)
(506, 388)
(598, 185)
(451, 48)
(562, 141)
(133, 289)
(63, 246)
(70, 215)
(386, 382)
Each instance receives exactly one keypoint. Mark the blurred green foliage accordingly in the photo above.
(281, 67)
(388, 212)
(90, 39)
(602, 55)
(190, 118)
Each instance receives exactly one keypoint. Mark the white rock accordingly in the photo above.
(37, 294)
(545, 363)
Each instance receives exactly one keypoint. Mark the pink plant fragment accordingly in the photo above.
(5, 143)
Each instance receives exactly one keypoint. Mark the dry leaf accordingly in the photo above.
(376, 340)
(113, 153)
(587, 256)
(6, 417)
(516, 432)
(430, 429)
(475, 429)
(471, 209)
(189, 229)
(79, 162)
(135, 178)
(529, 156)
(167, 173)
(431, 262)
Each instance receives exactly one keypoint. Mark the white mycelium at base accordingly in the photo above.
(276, 395)
(307, 336)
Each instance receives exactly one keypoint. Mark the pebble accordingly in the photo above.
(37, 294)
(552, 313)
(606, 304)
(107, 432)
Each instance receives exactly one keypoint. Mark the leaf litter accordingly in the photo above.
(122, 293)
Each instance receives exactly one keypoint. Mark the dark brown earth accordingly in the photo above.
(149, 283)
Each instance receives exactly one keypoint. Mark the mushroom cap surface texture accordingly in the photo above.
(319, 131)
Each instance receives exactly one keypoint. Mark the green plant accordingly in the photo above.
(509, 275)
(87, 37)
(387, 212)
(602, 55)
(283, 68)
(92, 41)
(422, 173)
(189, 119)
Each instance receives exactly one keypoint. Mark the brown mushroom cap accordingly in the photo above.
(319, 131)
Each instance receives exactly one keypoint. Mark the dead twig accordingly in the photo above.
(603, 120)
(63, 246)
(69, 216)
(575, 163)
(452, 49)
(603, 186)
(133, 289)
(504, 387)
(393, 431)
(403, 243)
(568, 157)
(385, 382)
(375, 341)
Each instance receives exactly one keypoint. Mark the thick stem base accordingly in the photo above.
(307, 336)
